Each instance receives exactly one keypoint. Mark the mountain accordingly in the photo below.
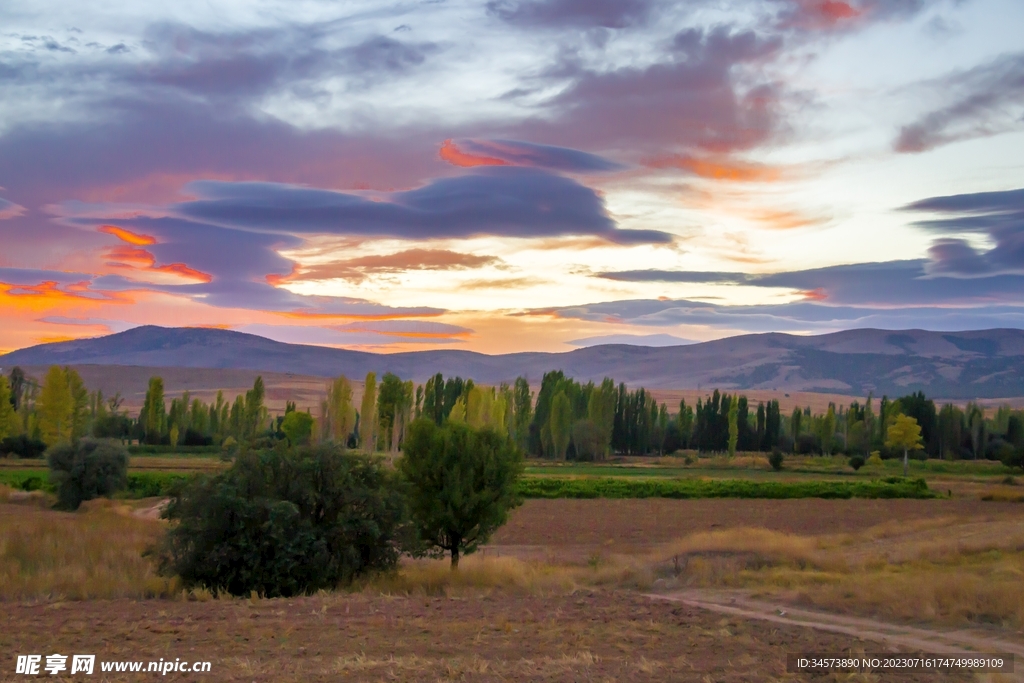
(976, 364)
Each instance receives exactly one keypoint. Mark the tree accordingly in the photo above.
(297, 427)
(339, 415)
(86, 470)
(522, 411)
(904, 433)
(828, 429)
(734, 431)
(56, 407)
(255, 414)
(17, 387)
(560, 424)
(9, 423)
(368, 414)
(795, 425)
(462, 483)
(284, 523)
(153, 418)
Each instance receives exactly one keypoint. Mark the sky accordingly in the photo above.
(512, 175)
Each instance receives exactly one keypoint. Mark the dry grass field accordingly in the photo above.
(561, 594)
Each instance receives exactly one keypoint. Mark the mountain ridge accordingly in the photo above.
(969, 364)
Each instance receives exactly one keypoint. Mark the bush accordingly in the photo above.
(856, 461)
(775, 459)
(875, 460)
(86, 470)
(284, 523)
(551, 487)
(22, 446)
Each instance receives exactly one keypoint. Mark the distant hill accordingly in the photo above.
(976, 364)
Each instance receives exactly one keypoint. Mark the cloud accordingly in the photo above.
(997, 215)
(886, 284)
(476, 152)
(9, 209)
(801, 317)
(561, 14)
(509, 202)
(632, 339)
(983, 101)
(717, 168)
(363, 334)
(359, 268)
(695, 100)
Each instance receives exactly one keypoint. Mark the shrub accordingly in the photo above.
(856, 461)
(86, 470)
(875, 460)
(284, 523)
(775, 459)
(462, 484)
(22, 446)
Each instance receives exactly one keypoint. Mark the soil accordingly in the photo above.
(581, 636)
(635, 524)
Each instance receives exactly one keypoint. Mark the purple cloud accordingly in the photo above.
(505, 201)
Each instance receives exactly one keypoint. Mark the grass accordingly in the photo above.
(140, 484)
(97, 553)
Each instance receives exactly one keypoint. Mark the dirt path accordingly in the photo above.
(963, 641)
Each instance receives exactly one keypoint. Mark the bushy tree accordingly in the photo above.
(297, 427)
(282, 523)
(462, 483)
(22, 446)
(86, 470)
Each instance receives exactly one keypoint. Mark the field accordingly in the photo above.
(602, 589)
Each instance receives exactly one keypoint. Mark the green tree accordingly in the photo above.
(86, 470)
(828, 429)
(522, 409)
(462, 484)
(368, 414)
(18, 386)
(734, 431)
(9, 422)
(795, 423)
(255, 415)
(560, 424)
(56, 407)
(297, 427)
(339, 415)
(153, 418)
(904, 434)
(601, 412)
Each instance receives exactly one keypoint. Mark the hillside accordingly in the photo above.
(976, 364)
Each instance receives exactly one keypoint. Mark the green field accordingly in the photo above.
(745, 476)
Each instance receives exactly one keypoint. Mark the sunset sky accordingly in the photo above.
(510, 175)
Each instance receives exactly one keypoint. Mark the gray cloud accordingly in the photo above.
(985, 100)
(561, 14)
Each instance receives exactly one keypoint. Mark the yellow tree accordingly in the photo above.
(368, 414)
(904, 433)
(56, 407)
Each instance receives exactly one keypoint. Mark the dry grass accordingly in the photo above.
(945, 571)
(94, 553)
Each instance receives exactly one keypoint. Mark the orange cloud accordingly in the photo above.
(818, 294)
(786, 220)
(134, 258)
(354, 316)
(359, 268)
(453, 155)
(718, 169)
(127, 235)
(48, 295)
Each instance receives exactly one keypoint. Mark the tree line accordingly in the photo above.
(564, 420)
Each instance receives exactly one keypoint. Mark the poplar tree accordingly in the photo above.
(9, 423)
(56, 407)
(154, 416)
(368, 414)
(734, 430)
(560, 424)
